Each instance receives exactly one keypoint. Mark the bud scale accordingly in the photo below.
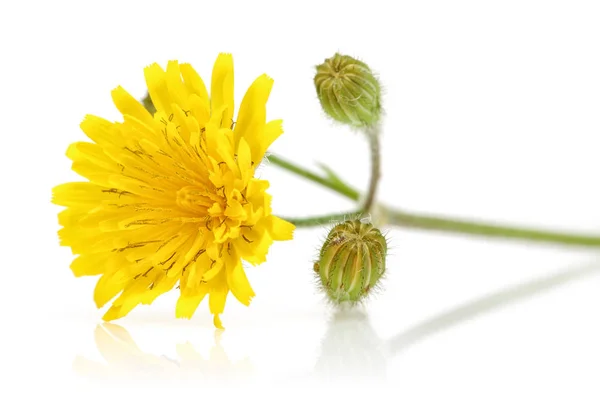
(351, 261)
(348, 91)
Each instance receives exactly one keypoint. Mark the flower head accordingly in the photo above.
(171, 198)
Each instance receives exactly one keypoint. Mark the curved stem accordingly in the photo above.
(332, 182)
(434, 223)
(373, 136)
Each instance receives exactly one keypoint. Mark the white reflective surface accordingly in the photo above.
(491, 112)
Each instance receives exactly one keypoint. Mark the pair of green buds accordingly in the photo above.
(352, 259)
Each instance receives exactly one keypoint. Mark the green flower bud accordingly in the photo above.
(351, 262)
(348, 91)
(148, 105)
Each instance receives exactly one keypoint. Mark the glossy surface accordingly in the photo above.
(491, 112)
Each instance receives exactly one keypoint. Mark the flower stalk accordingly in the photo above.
(395, 217)
(372, 134)
(335, 185)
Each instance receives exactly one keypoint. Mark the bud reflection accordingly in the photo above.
(351, 350)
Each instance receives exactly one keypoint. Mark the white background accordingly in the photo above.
(492, 112)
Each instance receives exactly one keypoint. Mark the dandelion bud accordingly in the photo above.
(351, 261)
(348, 91)
(147, 103)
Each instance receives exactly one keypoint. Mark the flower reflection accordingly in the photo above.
(125, 361)
(351, 351)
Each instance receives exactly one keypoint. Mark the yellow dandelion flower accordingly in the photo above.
(171, 198)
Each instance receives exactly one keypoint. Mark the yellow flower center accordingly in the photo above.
(196, 199)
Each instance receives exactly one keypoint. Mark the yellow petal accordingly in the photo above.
(119, 311)
(195, 248)
(165, 285)
(127, 301)
(244, 160)
(128, 105)
(157, 88)
(221, 90)
(188, 303)
(235, 210)
(260, 249)
(200, 109)
(194, 83)
(279, 228)
(253, 246)
(218, 294)
(217, 322)
(238, 283)
(100, 130)
(220, 234)
(178, 93)
(90, 264)
(213, 251)
(93, 154)
(213, 272)
(256, 188)
(252, 115)
(79, 194)
(106, 288)
(273, 129)
(112, 314)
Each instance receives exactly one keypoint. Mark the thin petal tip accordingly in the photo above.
(217, 322)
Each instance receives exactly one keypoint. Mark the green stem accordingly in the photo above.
(333, 182)
(373, 136)
(336, 186)
(410, 220)
(322, 220)
(433, 223)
